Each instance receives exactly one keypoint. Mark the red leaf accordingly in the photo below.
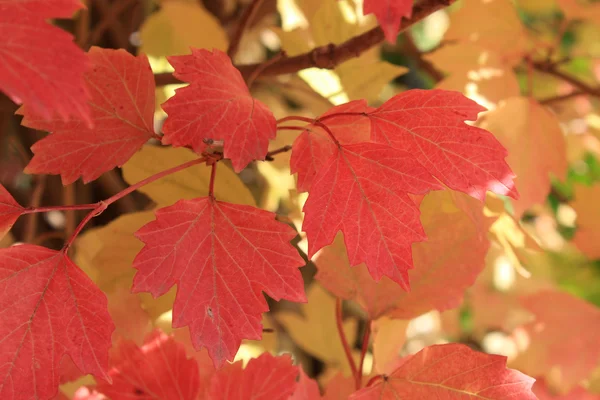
(159, 369)
(429, 124)
(51, 309)
(553, 350)
(314, 146)
(379, 221)
(122, 102)
(307, 389)
(221, 256)
(41, 66)
(451, 371)
(436, 282)
(217, 106)
(10, 211)
(265, 378)
(389, 14)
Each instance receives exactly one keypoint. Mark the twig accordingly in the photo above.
(559, 98)
(239, 31)
(329, 56)
(284, 149)
(363, 353)
(423, 64)
(340, 327)
(36, 199)
(550, 69)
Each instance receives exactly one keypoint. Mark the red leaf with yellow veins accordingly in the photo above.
(451, 371)
(217, 106)
(264, 378)
(52, 309)
(10, 211)
(41, 66)
(362, 192)
(221, 256)
(122, 103)
(159, 369)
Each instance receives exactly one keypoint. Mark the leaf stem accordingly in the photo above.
(374, 379)
(363, 353)
(211, 184)
(340, 327)
(98, 208)
(284, 149)
(32, 210)
(311, 121)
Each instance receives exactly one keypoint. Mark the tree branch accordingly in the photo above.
(239, 30)
(550, 69)
(330, 56)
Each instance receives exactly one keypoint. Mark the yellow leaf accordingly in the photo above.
(389, 336)
(187, 184)
(316, 331)
(536, 147)
(585, 204)
(106, 255)
(179, 25)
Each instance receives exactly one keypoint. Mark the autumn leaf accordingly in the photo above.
(430, 125)
(186, 184)
(536, 147)
(264, 378)
(585, 205)
(437, 282)
(306, 389)
(55, 310)
(439, 372)
(389, 337)
(543, 392)
(10, 211)
(216, 106)
(313, 147)
(159, 369)
(551, 343)
(323, 343)
(122, 104)
(221, 256)
(42, 67)
(378, 219)
(389, 14)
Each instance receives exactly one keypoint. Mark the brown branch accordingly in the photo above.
(239, 30)
(330, 56)
(550, 69)
(559, 98)
(422, 63)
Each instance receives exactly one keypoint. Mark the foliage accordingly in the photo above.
(283, 213)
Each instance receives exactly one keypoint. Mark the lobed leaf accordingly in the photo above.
(10, 211)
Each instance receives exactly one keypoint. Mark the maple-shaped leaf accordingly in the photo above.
(159, 369)
(122, 103)
(264, 378)
(451, 371)
(389, 14)
(430, 125)
(221, 256)
(217, 105)
(41, 66)
(313, 147)
(362, 191)
(436, 282)
(10, 211)
(306, 389)
(552, 345)
(52, 309)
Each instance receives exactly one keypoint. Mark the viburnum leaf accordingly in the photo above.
(10, 211)
(306, 389)
(313, 147)
(221, 256)
(122, 103)
(430, 125)
(159, 369)
(436, 282)
(54, 310)
(552, 347)
(264, 378)
(379, 220)
(217, 105)
(451, 371)
(389, 14)
(41, 66)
